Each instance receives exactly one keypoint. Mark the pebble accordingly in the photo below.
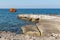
(10, 36)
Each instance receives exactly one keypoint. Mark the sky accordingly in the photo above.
(29, 3)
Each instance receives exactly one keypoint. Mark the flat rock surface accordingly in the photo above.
(48, 27)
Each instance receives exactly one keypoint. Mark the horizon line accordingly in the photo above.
(30, 8)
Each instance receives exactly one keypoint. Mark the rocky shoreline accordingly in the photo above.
(44, 24)
(12, 36)
(45, 28)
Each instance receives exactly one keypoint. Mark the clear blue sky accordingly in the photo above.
(29, 3)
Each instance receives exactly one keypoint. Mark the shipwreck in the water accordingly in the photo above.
(12, 10)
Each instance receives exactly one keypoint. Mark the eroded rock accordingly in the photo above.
(45, 27)
(31, 30)
(45, 24)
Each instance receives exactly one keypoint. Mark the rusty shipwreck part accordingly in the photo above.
(12, 10)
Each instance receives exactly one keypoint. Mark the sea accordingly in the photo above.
(10, 22)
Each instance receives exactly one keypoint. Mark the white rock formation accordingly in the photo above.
(46, 24)
(44, 17)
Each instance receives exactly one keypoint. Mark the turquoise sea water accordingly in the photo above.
(9, 21)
